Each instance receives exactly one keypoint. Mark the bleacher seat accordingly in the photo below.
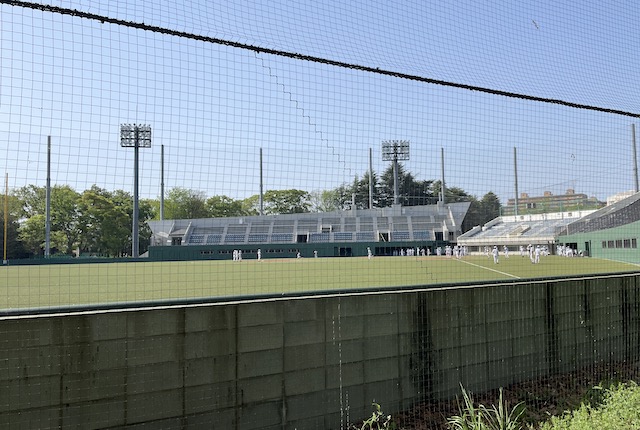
(363, 236)
(422, 235)
(214, 239)
(343, 236)
(319, 237)
(234, 238)
(196, 239)
(281, 238)
(400, 235)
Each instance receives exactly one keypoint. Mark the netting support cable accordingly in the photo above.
(142, 26)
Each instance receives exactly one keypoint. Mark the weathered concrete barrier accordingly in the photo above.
(312, 362)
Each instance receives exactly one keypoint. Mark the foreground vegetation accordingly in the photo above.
(619, 409)
(616, 407)
(604, 396)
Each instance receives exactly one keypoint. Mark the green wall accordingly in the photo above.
(593, 241)
(279, 250)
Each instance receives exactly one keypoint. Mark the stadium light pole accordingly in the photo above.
(135, 136)
(161, 182)
(443, 186)
(635, 158)
(370, 178)
(515, 174)
(6, 218)
(394, 150)
(47, 209)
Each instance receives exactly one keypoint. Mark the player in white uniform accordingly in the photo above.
(495, 254)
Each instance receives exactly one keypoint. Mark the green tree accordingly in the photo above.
(64, 212)
(146, 212)
(343, 195)
(124, 200)
(491, 206)
(106, 222)
(32, 234)
(182, 203)
(481, 211)
(154, 207)
(223, 206)
(286, 201)
(360, 188)
(33, 200)
(15, 247)
(251, 205)
(107, 219)
(65, 215)
(324, 201)
(412, 192)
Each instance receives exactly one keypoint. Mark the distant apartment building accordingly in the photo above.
(551, 203)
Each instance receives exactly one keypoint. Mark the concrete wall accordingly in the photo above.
(307, 363)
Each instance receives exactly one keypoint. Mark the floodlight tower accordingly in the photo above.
(135, 136)
(394, 150)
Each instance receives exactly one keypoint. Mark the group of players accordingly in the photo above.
(534, 252)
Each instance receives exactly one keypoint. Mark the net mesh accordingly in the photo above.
(267, 119)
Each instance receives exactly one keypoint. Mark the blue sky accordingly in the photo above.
(214, 106)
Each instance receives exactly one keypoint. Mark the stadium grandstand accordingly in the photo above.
(514, 231)
(387, 231)
(610, 232)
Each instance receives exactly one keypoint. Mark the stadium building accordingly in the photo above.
(611, 232)
(521, 230)
(386, 231)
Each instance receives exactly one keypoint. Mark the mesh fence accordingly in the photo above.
(270, 149)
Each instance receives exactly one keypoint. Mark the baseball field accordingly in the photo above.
(55, 285)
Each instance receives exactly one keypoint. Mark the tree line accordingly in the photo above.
(98, 221)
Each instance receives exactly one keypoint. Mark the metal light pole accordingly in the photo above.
(161, 182)
(136, 136)
(6, 219)
(394, 150)
(47, 210)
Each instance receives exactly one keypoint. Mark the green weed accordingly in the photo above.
(481, 417)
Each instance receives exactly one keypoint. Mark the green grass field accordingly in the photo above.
(79, 284)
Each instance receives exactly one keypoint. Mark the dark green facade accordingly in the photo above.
(287, 250)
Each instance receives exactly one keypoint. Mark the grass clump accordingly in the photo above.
(481, 417)
(619, 409)
(377, 421)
